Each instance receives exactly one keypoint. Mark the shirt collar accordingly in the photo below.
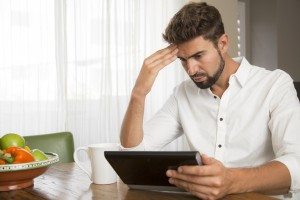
(243, 71)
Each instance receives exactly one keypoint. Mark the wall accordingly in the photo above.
(263, 30)
(275, 31)
(288, 19)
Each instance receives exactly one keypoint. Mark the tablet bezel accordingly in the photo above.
(147, 169)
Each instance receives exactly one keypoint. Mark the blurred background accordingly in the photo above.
(70, 65)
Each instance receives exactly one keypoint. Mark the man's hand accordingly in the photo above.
(151, 66)
(210, 181)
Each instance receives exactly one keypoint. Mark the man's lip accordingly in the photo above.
(199, 78)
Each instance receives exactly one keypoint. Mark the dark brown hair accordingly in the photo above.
(193, 20)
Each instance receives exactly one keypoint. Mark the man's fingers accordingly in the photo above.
(191, 187)
(200, 195)
(162, 62)
(205, 170)
(207, 160)
(159, 54)
(200, 180)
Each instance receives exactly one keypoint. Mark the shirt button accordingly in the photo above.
(221, 119)
(215, 97)
(219, 145)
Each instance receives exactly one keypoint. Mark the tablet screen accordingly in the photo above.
(149, 167)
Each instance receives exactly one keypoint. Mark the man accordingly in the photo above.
(243, 119)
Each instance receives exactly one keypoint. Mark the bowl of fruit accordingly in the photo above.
(19, 164)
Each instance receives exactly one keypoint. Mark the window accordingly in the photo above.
(241, 26)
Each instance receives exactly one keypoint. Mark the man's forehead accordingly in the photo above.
(193, 46)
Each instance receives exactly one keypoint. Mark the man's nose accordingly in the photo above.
(191, 67)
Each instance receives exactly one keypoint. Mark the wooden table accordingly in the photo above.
(67, 181)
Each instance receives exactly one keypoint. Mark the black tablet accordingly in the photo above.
(147, 169)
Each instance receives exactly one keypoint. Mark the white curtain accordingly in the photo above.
(70, 65)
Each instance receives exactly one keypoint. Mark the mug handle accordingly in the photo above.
(79, 163)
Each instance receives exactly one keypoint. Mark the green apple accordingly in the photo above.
(38, 155)
(12, 139)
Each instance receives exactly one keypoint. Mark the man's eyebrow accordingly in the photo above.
(198, 52)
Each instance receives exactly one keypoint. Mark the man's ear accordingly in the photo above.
(223, 43)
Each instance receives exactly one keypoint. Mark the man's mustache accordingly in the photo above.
(198, 74)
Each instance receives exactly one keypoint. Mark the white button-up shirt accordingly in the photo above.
(256, 120)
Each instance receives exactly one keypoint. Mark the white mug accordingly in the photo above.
(101, 172)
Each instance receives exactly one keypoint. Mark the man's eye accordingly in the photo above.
(197, 57)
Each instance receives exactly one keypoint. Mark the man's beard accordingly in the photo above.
(211, 80)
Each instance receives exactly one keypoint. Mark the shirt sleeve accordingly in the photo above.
(163, 127)
(140, 147)
(285, 127)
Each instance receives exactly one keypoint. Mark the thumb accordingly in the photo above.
(206, 160)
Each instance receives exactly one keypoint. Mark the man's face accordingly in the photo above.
(202, 61)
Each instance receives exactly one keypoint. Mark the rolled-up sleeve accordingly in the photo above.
(161, 129)
(140, 147)
(292, 163)
(285, 128)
